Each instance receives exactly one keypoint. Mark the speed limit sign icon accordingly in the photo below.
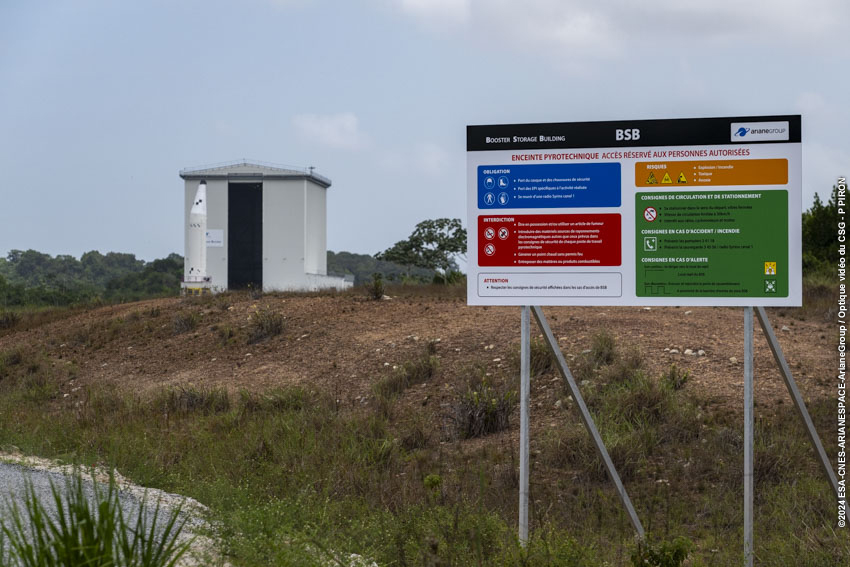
(650, 214)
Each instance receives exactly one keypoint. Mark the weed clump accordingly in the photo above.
(265, 324)
(9, 319)
(675, 378)
(185, 322)
(483, 410)
(662, 554)
(194, 400)
(603, 349)
(92, 532)
(416, 371)
(277, 400)
(541, 360)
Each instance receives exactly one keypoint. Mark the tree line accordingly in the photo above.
(430, 254)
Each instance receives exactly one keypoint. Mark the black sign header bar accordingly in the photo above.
(621, 133)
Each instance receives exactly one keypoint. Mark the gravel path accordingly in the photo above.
(16, 470)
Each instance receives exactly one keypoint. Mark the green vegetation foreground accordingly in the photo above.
(294, 475)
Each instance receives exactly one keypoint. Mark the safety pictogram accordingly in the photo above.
(489, 249)
(489, 233)
(504, 233)
(770, 268)
(666, 179)
(650, 214)
(682, 178)
(651, 180)
(770, 286)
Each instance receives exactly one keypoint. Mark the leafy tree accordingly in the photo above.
(363, 266)
(434, 244)
(820, 243)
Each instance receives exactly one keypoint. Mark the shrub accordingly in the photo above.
(265, 324)
(375, 288)
(662, 554)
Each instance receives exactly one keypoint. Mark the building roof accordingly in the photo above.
(252, 169)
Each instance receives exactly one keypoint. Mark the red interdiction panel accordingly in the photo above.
(549, 240)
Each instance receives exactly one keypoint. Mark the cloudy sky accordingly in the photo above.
(103, 102)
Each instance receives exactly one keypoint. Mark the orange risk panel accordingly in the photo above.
(717, 172)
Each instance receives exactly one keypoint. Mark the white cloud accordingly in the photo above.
(600, 29)
(338, 131)
(432, 159)
(437, 13)
(427, 159)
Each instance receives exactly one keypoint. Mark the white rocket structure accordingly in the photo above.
(195, 267)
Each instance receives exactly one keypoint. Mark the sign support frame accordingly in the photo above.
(799, 404)
(586, 418)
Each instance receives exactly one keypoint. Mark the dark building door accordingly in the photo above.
(245, 235)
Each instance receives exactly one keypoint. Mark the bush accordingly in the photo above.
(265, 324)
(375, 288)
(662, 554)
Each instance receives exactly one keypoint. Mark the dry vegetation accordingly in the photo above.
(387, 428)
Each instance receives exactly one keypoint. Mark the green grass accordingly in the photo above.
(91, 533)
(294, 478)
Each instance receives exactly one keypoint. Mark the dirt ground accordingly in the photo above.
(342, 344)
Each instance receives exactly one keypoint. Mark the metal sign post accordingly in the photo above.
(748, 436)
(799, 404)
(525, 390)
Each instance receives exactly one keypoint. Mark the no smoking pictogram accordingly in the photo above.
(489, 233)
(650, 214)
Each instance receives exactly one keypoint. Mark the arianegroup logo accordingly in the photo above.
(759, 131)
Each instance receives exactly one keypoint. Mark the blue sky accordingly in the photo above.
(103, 102)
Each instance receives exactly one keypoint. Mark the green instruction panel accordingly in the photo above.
(712, 244)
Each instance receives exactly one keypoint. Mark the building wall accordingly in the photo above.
(283, 234)
(294, 229)
(216, 219)
(316, 234)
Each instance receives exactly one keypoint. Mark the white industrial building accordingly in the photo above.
(266, 227)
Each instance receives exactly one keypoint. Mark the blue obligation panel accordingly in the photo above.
(549, 186)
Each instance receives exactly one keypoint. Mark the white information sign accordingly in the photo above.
(702, 211)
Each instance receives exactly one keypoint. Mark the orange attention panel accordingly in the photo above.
(716, 172)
